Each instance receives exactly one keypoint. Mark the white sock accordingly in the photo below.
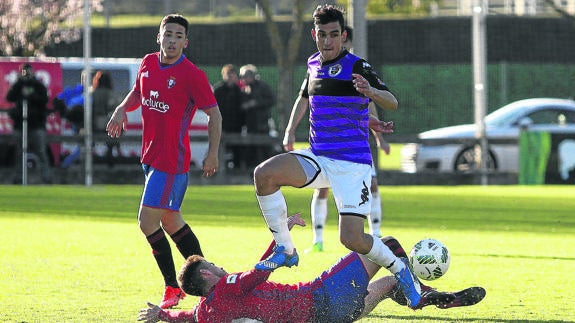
(375, 215)
(381, 255)
(318, 216)
(274, 210)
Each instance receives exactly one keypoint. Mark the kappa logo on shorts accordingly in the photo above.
(364, 194)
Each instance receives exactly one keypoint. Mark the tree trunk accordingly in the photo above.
(285, 56)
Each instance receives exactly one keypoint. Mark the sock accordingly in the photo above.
(187, 242)
(274, 210)
(396, 248)
(318, 217)
(375, 215)
(163, 255)
(381, 255)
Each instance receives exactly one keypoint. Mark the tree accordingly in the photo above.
(28, 26)
(286, 54)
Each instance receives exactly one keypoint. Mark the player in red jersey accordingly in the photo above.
(343, 293)
(170, 89)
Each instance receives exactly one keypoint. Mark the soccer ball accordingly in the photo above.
(429, 259)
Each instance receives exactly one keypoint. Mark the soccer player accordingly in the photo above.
(338, 88)
(170, 89)
(343, 293)
(318, 207)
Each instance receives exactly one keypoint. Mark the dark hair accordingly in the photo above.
(349, 33)
(176, 19)
(327, 13)
(102, 79)
(189, 277)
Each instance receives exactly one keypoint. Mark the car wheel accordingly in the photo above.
(466, 162)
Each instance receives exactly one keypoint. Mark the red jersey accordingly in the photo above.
(170, 96)
(337, 295)
(250, 295)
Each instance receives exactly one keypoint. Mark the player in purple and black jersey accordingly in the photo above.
(338, 88)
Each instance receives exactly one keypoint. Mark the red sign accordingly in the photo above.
(49, 73)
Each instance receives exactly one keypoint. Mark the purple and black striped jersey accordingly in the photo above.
(338, 113)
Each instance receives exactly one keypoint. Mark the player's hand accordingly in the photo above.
(210, 165)
(295, 219)
(150, 314)
(361, 84)
(380, 126)
(117, 123)
(289, 140)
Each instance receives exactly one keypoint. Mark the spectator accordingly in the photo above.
(258, 100)
(29, 91)
(229, 95)
(70, 104)
(103, 105)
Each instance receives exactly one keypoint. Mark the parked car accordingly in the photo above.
(452, 149)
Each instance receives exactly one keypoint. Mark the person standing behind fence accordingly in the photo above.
(102, 107)
(229, 96)
(169, 88)
(32, 91)
(258, 100)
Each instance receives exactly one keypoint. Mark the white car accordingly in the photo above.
(452, 149)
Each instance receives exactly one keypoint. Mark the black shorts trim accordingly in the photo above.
(311, 161)
(354, 214)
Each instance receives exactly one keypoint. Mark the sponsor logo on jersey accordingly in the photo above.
(145, 74)
(153, 103)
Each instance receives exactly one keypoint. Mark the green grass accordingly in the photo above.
(75, 254)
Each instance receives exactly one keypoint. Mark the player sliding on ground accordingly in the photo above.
(343, 293)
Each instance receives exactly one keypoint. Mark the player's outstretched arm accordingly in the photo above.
(153, 313)
(150, 314)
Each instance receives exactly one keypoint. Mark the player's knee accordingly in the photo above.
(262, 174)
(354, 244)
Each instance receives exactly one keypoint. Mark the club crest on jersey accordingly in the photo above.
(171, 82)
(334, 70)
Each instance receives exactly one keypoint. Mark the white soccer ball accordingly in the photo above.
(429, 259)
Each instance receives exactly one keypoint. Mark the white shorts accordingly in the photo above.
(349, 182)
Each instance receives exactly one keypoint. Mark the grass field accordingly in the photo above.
(75, 254)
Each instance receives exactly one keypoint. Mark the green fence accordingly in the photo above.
(433, 96)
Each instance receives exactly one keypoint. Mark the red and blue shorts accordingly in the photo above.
(163, 190)
(341, 291)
